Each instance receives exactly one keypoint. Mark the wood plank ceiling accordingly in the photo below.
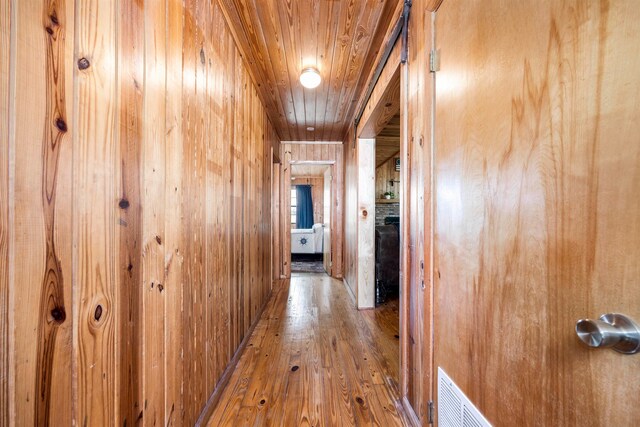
(388, 141)
(279, 38)
(309, 171)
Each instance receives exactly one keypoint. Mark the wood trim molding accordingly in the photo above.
(313, 142)
(312, 162)
(409, 412)
(349, 291)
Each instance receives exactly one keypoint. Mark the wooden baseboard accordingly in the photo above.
(410, 413)
(350, 292)
(207, 411)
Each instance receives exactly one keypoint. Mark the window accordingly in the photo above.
(294, 203)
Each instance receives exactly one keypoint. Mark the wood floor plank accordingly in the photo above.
(315, 360)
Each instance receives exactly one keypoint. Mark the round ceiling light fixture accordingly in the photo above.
(310, 78)
(310, 128)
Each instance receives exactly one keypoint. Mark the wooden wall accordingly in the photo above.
(317, 195)
(135, 184)
(387, 172)
(5, 90)
(311, 152)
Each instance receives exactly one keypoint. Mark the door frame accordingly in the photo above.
(286, 198)
(375, 114)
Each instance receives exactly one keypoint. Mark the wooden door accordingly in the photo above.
(537, 169)
(326, 232)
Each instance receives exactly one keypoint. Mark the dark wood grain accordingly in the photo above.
(131, 94)
(40, 191)
(52, 308)
(96, 213)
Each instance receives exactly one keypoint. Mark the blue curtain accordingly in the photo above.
(304, 207)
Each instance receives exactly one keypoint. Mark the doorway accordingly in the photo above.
(387, 213)
(310, 217)
(380, 198)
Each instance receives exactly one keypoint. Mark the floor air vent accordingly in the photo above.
(454, 409)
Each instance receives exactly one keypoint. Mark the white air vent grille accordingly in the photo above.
(454, 408)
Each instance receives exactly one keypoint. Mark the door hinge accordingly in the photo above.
(430, 411)
(434, 61)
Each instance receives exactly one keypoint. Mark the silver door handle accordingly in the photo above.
(612, 330)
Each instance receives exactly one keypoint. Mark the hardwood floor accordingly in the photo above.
(313, 359)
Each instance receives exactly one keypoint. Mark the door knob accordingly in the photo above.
(612, 330)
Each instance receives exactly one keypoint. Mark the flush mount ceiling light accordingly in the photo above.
(310, 78)
(311, 128)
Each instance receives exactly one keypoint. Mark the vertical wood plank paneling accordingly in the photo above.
(245, 202)
(236, 208)
(226, 292)
(6, 401)
(191, 201)
(95, 221)
(29, 226)
(199, 300)
(212, 173)
(42, 191)
(153, 221)
(174, 231)
(337, 214)
(129, 316)
(54, 379)
(159, 222)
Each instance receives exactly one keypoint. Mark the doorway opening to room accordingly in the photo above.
(383, 196)
(387, 213)
(310, 217)
(387, 226)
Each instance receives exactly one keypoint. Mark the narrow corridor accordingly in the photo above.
(313, 359)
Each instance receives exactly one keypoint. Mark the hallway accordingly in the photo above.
(201, 203)
(313, 359)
